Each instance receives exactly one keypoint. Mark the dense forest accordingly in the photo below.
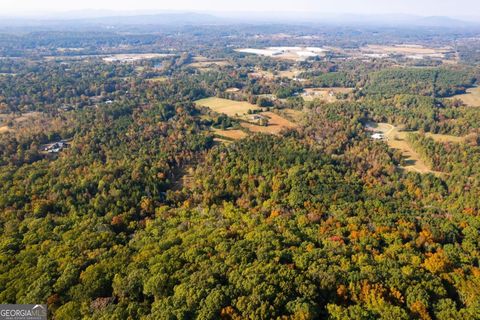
(150, 213)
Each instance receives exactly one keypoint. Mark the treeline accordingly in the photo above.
(437, 82)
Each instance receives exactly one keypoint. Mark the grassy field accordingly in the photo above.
(276, 124)
(19, 122)
(445, 138)
(205, 63)
(293, 73)
(230, 134)
(158, 79)
(229, 107)
(406, 49)
(471, 98)
(295, 116)
(397, 140)
(290, 74)
(262, 74)
(326, 94)
(130, 57)
(239, 110)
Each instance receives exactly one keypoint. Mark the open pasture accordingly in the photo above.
(233, 134)
(158, 79)
(471, 98)
(132, 57)
(276, 124)
(204, 63)
(398, 140)
(229, 107)
(326, 94)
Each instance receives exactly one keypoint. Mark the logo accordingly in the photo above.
(23, 312)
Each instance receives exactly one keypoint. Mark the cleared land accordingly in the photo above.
(18, 121)
(275, 124)
(287, 53)
(409, 51)
(294, 115)
(397, 140)
(445, 138)
(290, 74)
(230, 134)
(239, 110)
(158, 79)
(205, 63)
(471, 98)
(229, 107)
(134, 57)
(270, 75)
(326, 94)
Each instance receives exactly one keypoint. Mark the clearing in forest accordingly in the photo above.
(471, 98)
(158, 79)
(326, 94)
(407, 50)
(229, 107)
(233, 134)
(445, 138)
(132, 57)
(398, 140)
(204, 63)
(275, 125)
(296, 116)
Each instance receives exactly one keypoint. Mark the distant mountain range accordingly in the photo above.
(192, 18)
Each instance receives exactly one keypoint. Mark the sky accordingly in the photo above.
(417, 7)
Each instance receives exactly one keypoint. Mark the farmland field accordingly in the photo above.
(276, 124)
(229, 107)
(471, 98)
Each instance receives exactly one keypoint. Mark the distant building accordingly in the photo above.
(65, 108)
(55, 147)
(257, 117)
(378, 136)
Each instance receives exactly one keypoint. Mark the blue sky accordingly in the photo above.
(419, 7)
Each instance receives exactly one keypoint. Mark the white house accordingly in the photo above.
(378, 136)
